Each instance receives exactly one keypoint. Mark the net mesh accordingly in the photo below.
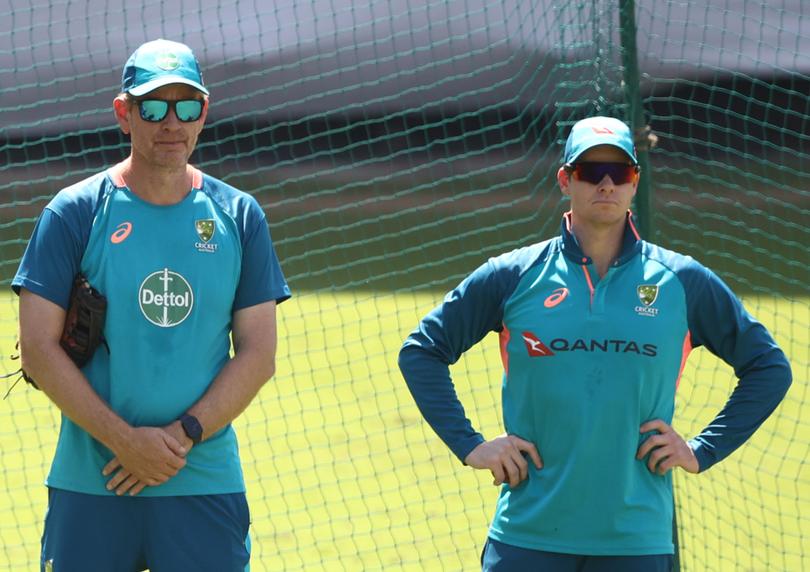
(394, 146)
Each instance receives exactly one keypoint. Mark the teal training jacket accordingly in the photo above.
(585, 363)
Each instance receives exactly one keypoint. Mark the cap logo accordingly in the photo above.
(602, 130)
(167, 61)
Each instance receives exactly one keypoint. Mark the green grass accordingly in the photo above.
(342, 473)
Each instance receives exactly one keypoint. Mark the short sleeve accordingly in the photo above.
(51, 260)
(261, 278)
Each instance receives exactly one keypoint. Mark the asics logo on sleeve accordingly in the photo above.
(535, 346)
(121, 233)
(556, 297)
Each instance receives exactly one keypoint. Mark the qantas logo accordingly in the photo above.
(121, 233)
(537, 348)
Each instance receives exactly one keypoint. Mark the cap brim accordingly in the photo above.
(165, 80)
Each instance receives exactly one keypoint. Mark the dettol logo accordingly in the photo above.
(165, 298)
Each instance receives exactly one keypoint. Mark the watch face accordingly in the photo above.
(192, 427)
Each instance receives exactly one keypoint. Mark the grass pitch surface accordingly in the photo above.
(343, 474)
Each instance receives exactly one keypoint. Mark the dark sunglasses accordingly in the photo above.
(156, 110)
(620, 173)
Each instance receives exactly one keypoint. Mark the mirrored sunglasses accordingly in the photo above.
(156, 110)
(619, 173)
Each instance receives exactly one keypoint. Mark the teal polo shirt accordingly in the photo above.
(173, 277)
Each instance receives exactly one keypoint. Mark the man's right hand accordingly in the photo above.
(503, 456)
(150, 456)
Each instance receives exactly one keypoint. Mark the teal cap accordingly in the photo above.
(158, 63)
(595, 131)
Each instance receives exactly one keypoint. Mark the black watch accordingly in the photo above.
(191, 426)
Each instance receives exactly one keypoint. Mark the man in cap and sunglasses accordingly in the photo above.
(595, 326)
(146, 472)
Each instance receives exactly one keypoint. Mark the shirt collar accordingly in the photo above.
(631, 241)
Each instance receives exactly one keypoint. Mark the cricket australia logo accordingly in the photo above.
(647, 295)
(205, 230)
(165, 298)
(167, 61)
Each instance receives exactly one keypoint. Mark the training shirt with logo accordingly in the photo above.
(173, 276)
(586, 362)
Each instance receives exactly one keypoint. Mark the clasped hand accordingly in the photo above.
(150, 458)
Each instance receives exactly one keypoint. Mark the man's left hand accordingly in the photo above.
(124, 482)
(667, 449)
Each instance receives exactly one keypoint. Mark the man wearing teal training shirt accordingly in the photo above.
(595, 326)
(146, 472)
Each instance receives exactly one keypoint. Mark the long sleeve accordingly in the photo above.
(466, 315)
(718, 321)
